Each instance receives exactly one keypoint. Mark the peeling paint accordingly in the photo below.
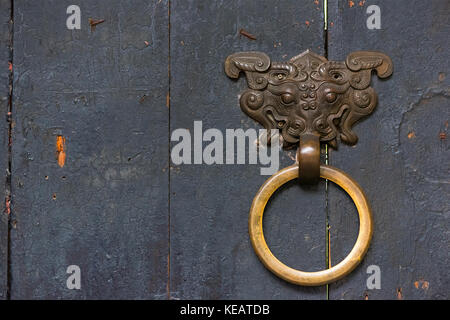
(8, 205)
(399, 294)
(422, 284)
(61, 150)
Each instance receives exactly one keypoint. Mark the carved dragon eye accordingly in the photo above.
(337, 76)
(330, 97)
(278, 76)
(287, 98)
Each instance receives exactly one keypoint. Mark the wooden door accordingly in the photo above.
(86, 151)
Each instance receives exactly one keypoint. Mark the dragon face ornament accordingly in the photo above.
(309, 94)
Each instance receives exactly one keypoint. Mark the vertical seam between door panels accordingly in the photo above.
(168, 143)
(327, 225)
(8, 169)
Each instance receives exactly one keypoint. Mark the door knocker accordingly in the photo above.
(311, 100)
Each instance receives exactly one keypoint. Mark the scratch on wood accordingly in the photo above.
(246, 34)
(94, 23)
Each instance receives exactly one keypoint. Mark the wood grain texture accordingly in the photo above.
(103, 91)
(5, 58)
(401, 159)
(211, 255)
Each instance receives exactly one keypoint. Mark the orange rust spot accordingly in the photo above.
(168, 100)
(316, 2)
(60, 150)
(307, 22)
(442, 135)
(351, 4)
(411, 135)
(416, 284)
(9, 66)
(331, 23)
(361, 3)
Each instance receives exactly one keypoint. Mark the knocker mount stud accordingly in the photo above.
(311, 100)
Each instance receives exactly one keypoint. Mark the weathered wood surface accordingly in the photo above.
(5, 57)
(402, 157)
(211, 254)
(106, 209)
(138, 229)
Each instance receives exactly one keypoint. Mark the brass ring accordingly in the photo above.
(324, 276)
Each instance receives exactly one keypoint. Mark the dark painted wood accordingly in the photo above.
(104, 90)
(5, 57)
(108, 208)
(210, 252)
(401, 159)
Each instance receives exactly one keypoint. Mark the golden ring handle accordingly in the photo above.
(320, 277)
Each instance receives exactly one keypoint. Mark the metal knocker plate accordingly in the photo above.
(311, 100)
